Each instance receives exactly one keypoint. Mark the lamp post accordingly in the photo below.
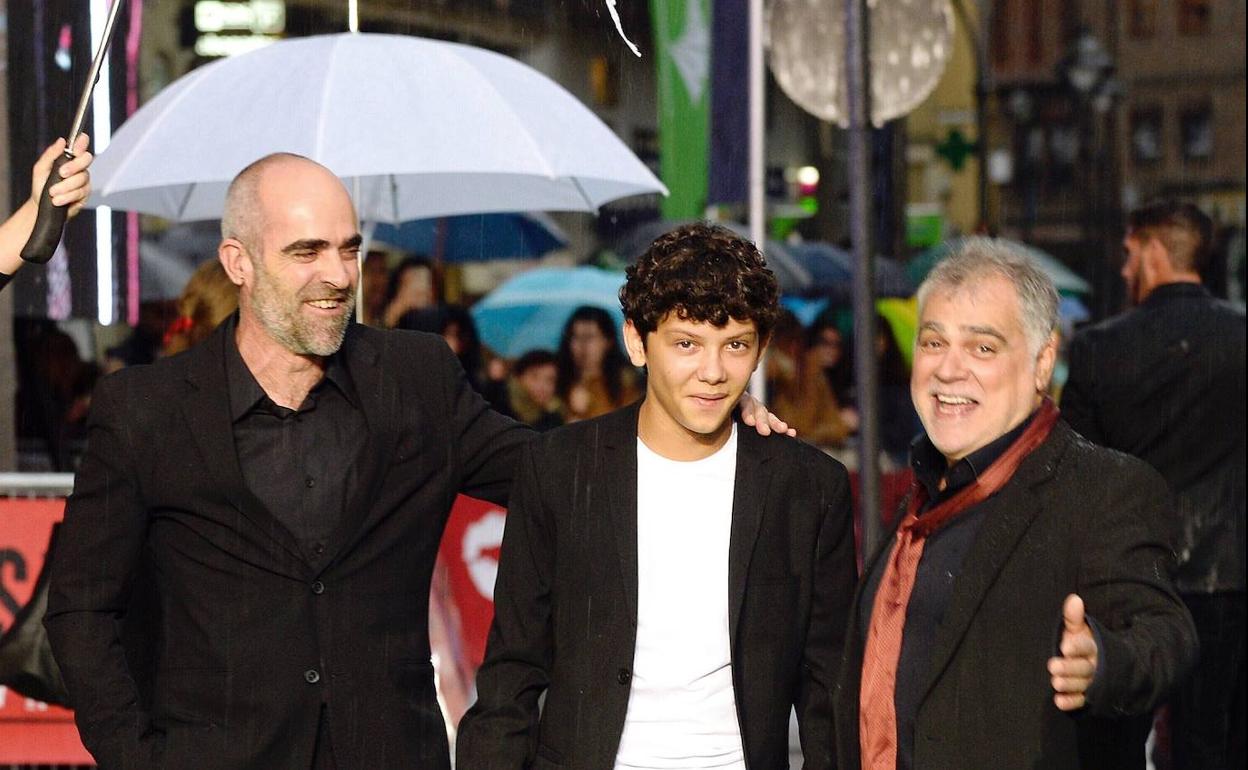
(1087, 70)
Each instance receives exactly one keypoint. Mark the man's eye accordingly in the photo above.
(738, 345)
(985, 350)
(684, 344)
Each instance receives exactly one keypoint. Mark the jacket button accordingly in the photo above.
(318, 587)
(623, 676)
(311, 676)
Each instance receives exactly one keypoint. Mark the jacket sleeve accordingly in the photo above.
(832, 593)
(1078, 404)
(500, 730)
(91, 574)
(487, 444)
(1126, 572)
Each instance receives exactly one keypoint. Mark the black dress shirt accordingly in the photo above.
(938, 569)
(303, 464)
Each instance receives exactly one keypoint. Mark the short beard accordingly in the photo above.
(289, 328)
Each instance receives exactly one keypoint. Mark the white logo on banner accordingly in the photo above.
(482, 539)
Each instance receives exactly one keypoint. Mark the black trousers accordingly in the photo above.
(1207, 716)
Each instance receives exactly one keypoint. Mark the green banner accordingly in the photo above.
(682, 37)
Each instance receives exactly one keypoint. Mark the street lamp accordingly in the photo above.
(1087, 70)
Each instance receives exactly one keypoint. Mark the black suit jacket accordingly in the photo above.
(565, 619)
(1075, 518)
(1165, 382)
(247, 641)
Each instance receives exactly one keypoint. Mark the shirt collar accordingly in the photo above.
(245, 392)
(930, 466)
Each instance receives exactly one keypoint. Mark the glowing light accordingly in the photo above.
(101, 133)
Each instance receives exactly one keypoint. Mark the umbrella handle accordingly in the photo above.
(50, 219)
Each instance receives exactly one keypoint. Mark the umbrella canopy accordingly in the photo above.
(1065, 279)
(792, 276)
(427, 128)
(529, 310)
(476, 237)
(832, 271)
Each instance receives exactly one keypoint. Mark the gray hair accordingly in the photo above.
(977, 258)
(243, 218)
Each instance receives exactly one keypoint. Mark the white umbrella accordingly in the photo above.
(426, 128)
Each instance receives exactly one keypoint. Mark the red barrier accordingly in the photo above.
(31, 732)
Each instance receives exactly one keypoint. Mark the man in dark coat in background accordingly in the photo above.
(1165, 382)
(1025, 605)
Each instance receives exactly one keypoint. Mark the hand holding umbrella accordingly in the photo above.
(67, 190)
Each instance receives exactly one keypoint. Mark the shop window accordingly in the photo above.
(1146, 144)
(1196, 132)
(1194, 16)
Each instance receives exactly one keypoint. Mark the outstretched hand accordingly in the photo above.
(756, 414)
(1071, 673)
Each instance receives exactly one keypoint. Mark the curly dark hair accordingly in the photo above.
(703, 273)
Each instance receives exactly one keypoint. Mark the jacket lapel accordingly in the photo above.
(206, 409)
(749, 496)
(1006, 518)
(619, 469)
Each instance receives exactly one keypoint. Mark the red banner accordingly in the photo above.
(470, 548)
(31, 731)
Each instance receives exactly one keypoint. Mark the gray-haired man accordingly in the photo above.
(1025, 604)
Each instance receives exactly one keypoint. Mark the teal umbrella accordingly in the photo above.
(1066, 280)
(528, 311)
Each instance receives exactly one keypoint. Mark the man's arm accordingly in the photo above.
(91, 573)
(832, 593)
(500, 730)
(1078, 404)
(487, 443)
(1147, 642)
(71, 191)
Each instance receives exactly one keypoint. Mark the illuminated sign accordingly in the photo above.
(229, 28)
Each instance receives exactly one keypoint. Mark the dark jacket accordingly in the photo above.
(1165, 382)
(1075, 518)
(565, 620)
(248, 642)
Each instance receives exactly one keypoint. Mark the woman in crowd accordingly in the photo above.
(413, 286)
(208, 298)
(798, 389)
(594, 375)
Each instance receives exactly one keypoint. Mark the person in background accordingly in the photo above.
(594, 376)
(375, 280)
(798, 388)
(1165, 382)
(531, 392)
(412, 286)
(53, 395)
(71, 191)
(899, 423)
(208, 299)
(833, 355)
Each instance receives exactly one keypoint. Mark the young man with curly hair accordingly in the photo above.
(673, 585)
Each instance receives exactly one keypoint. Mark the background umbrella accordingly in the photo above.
(832, 272)
(475, 237)
(1065, 279)
(793, 277)
(529, 310)
(424, 128)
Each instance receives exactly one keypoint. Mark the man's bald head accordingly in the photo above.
(243, 218)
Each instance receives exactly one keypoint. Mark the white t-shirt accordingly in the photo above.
(682, 709)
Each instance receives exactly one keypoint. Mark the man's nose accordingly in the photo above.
(338, 269)
(711, 369)
(952, 366)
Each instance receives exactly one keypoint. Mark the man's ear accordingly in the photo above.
(635, 345)
(234, 259)
(1045, 361)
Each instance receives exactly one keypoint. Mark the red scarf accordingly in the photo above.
(877, 716)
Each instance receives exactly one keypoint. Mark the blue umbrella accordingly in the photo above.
(476, 237)
(832, 271)
(529, 310)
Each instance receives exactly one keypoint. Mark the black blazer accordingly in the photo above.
(1075, 518)
(247, 641)
(565, 619)
(1165, 382)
